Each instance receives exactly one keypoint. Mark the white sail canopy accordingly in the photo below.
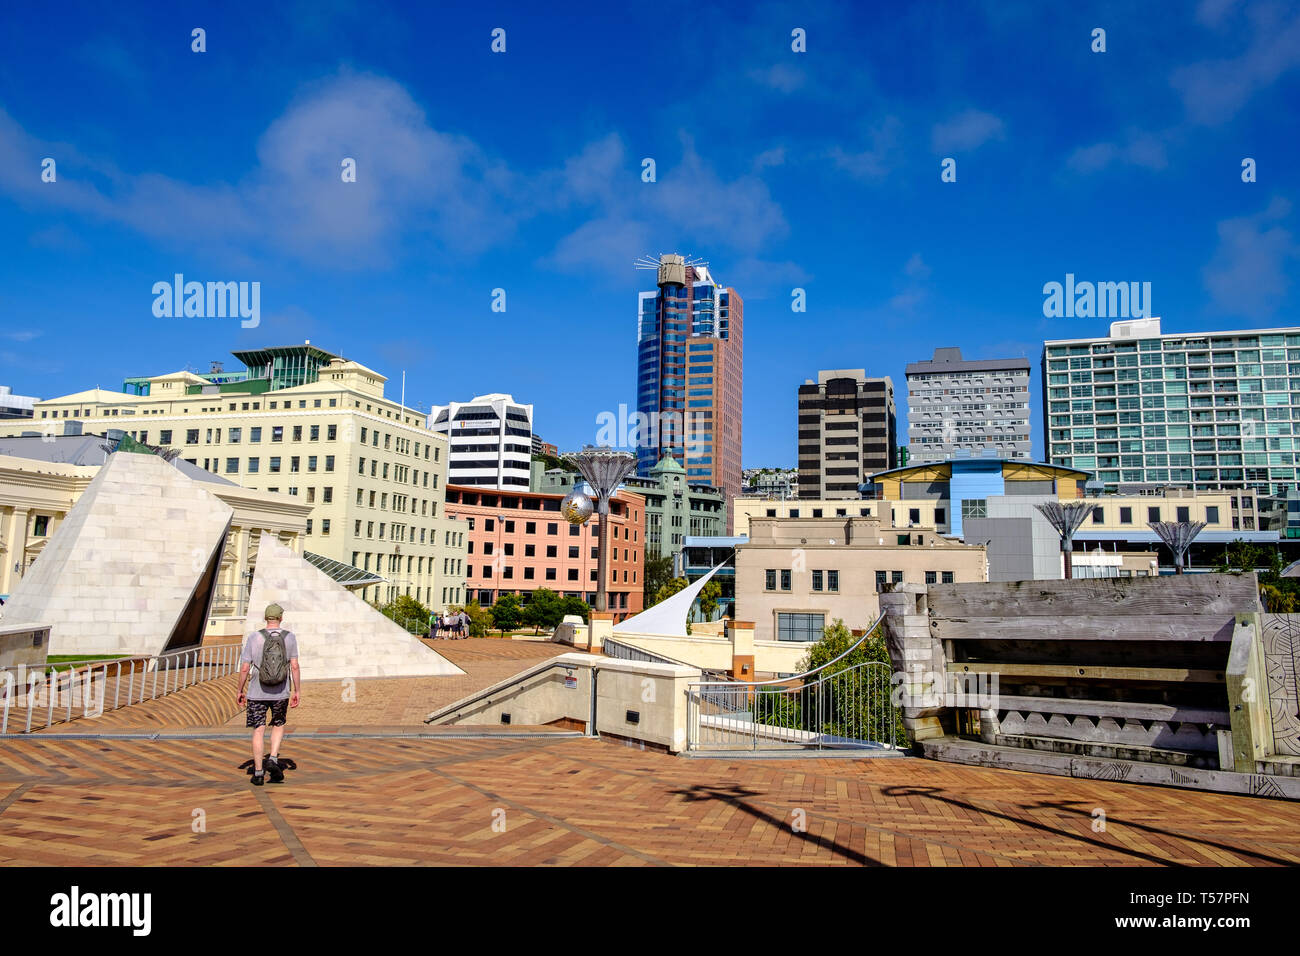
(667, 618)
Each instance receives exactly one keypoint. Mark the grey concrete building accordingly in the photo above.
(957, 407)
(848, 430)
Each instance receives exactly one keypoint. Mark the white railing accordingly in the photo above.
(37, 697)
(819, 709)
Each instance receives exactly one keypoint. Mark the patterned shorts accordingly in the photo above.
(257, 712)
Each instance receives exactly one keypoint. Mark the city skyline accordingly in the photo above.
(463, 188)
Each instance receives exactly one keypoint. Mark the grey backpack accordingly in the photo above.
(273, 669)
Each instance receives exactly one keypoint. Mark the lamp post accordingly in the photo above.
(1066, 519)
(604, 470)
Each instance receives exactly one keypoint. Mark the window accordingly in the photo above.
(573, 574)
(1212, 514)
(770, 583)
(530, 550)
(1098, 514)
(794, 512)
(329, 462)
(255, 434)
(232, 466)
(880, 580)
(1125, 515)
(974, 508)
(805, 628)
(234, 435)
(191, 436)
(309, 526)
(550, 574)
(253, 465)
(314, 434)
(331, 431)
(297, 433)
(41, 527)
(1153, 514)
(1184, 514)
(573, 552)
(785, 580)
(913, 515)
(550, 551)
(931, 577)
(947, 577)
(329, 494)
(817, 581)
(165, 436)
(897, 577)
(552, 528)
(277, 433)
(940, 516)
(530, 527)
(274, 467)
(325, 526)
(832, 580)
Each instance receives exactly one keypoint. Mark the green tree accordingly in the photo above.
(544, 609)
(861, 702)
(1279, 595)
(506, 613)
(669, 588)
(573, 605)
(406, 612)
(656, 572)
(708, 598)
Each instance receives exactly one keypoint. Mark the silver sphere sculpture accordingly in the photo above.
(576, 508)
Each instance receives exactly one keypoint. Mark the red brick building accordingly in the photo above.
(517, 542)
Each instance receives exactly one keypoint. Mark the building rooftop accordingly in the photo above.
(950, 360)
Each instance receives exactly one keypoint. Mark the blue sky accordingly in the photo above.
(522, 170)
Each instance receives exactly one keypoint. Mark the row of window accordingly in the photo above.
(507, 572)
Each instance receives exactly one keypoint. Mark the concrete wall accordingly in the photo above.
(545, 694)
(24, 644)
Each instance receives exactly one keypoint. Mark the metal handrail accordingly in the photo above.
(182, 668)
(821, 667)
(497, 688)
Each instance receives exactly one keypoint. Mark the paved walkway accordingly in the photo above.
(501, 801)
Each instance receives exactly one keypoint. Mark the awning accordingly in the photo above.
(345, 574)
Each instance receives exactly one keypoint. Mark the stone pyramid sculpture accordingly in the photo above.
(132, 568)
(339, 634)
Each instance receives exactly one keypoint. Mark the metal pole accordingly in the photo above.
(602, 554)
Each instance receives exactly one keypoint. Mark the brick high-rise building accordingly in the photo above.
(690, 351)
(848, 431)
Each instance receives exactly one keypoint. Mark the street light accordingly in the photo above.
(604, 470)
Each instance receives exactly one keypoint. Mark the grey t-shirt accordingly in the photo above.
(253, 655)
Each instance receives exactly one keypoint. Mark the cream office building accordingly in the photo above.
(312, 425)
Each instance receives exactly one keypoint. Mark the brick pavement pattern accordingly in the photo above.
(577, 801)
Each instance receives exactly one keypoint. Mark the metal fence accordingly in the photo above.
(36, 697)
(824, 708)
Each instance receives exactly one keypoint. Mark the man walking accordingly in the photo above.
(273, 651)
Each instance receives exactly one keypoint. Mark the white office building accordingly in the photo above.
(491, 440)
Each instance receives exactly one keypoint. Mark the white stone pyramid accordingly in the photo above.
(339, 634)
(131, 568)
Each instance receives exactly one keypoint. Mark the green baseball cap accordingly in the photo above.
(274, 612)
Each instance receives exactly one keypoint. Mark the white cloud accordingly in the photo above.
(966, 131)
(878, 158)
(1145, 150)
(1214, 90)
(689, 205)
(780, 77)
(1248, 274)
(411, 180)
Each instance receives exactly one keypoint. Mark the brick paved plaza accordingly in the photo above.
(74, 796)
(567, 800)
